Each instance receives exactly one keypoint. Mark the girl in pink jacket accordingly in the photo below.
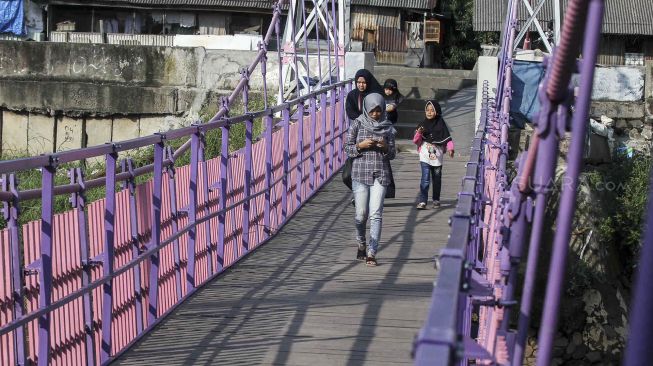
(433, 140)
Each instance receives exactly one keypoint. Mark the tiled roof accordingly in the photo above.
(407, 4)
(257, 4)
(621, 16)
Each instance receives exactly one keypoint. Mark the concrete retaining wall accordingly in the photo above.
(100, 63)
(35, 133)
(58, 96)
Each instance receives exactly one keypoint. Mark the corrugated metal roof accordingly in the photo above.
(406, 4)
(258, 4)
(621, 16)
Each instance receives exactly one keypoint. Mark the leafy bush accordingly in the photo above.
(625, 189)
(461, 44)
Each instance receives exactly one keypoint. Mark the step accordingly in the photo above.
(414, 104)
(411, 117)
(413, 71)
(405, 130)
(409, 81)
(438, 88)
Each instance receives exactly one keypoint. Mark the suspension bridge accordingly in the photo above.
(246, 257)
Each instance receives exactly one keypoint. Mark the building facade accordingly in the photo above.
(627, 27)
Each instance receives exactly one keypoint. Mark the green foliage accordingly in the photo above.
(624, 188)
(461, 44)
(579, 279)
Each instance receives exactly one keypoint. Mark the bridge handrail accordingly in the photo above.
(68, 156)
(259, 200)
(480, 263)
(147, 254)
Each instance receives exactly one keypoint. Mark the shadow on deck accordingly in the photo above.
(303, 299)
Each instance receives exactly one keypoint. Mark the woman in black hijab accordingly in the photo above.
(365, 84)
(433, 139)
(392, 99)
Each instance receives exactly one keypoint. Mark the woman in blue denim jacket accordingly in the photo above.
(371, 145)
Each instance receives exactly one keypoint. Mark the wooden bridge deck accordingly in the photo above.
(302, 298)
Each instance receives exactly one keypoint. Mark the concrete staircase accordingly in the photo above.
(420, 85)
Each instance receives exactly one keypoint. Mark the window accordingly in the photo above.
(634, 51)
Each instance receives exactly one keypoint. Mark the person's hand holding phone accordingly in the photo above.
(366, 144)
(381, 144)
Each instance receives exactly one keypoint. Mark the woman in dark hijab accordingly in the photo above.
(433, 139)
(392, 99)
(365, 84)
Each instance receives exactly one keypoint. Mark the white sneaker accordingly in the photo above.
(421, 206)
(436, 204)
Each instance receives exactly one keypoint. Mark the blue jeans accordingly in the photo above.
(428, 172)
(369, 203)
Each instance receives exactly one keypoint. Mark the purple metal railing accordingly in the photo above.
(80, 287)
(478, 267)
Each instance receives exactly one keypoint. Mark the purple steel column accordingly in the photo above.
(78, 202)
(336, 41)
(192, 210)
(569, 189)
(506, 45)
(247, 184)
(343, 125)
(317, 35)
(45, 274)
(327, 27)
(286, 159)
(308, 67)
(323, 138)
(293, 33)
(313, 112)
(268, 174)
(205, 189)
(155, 229)
(300, 154)
(639, 350)
(224, 177)
(130, 183)
(516, 220)
(332, 120)
(546, 154)
(107, 256)
(172, 191)
(277, 31)
(262, 46)
(11, 212)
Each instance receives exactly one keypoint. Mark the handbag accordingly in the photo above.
(346, 172)
(390, 190)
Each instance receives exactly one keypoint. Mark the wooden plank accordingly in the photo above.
(303, 299)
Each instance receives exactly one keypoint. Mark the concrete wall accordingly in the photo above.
(241, 42)
(103, 92)
(629, 79)
(358, 60)
(35, 133)
(116, 64)
(488, 68)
